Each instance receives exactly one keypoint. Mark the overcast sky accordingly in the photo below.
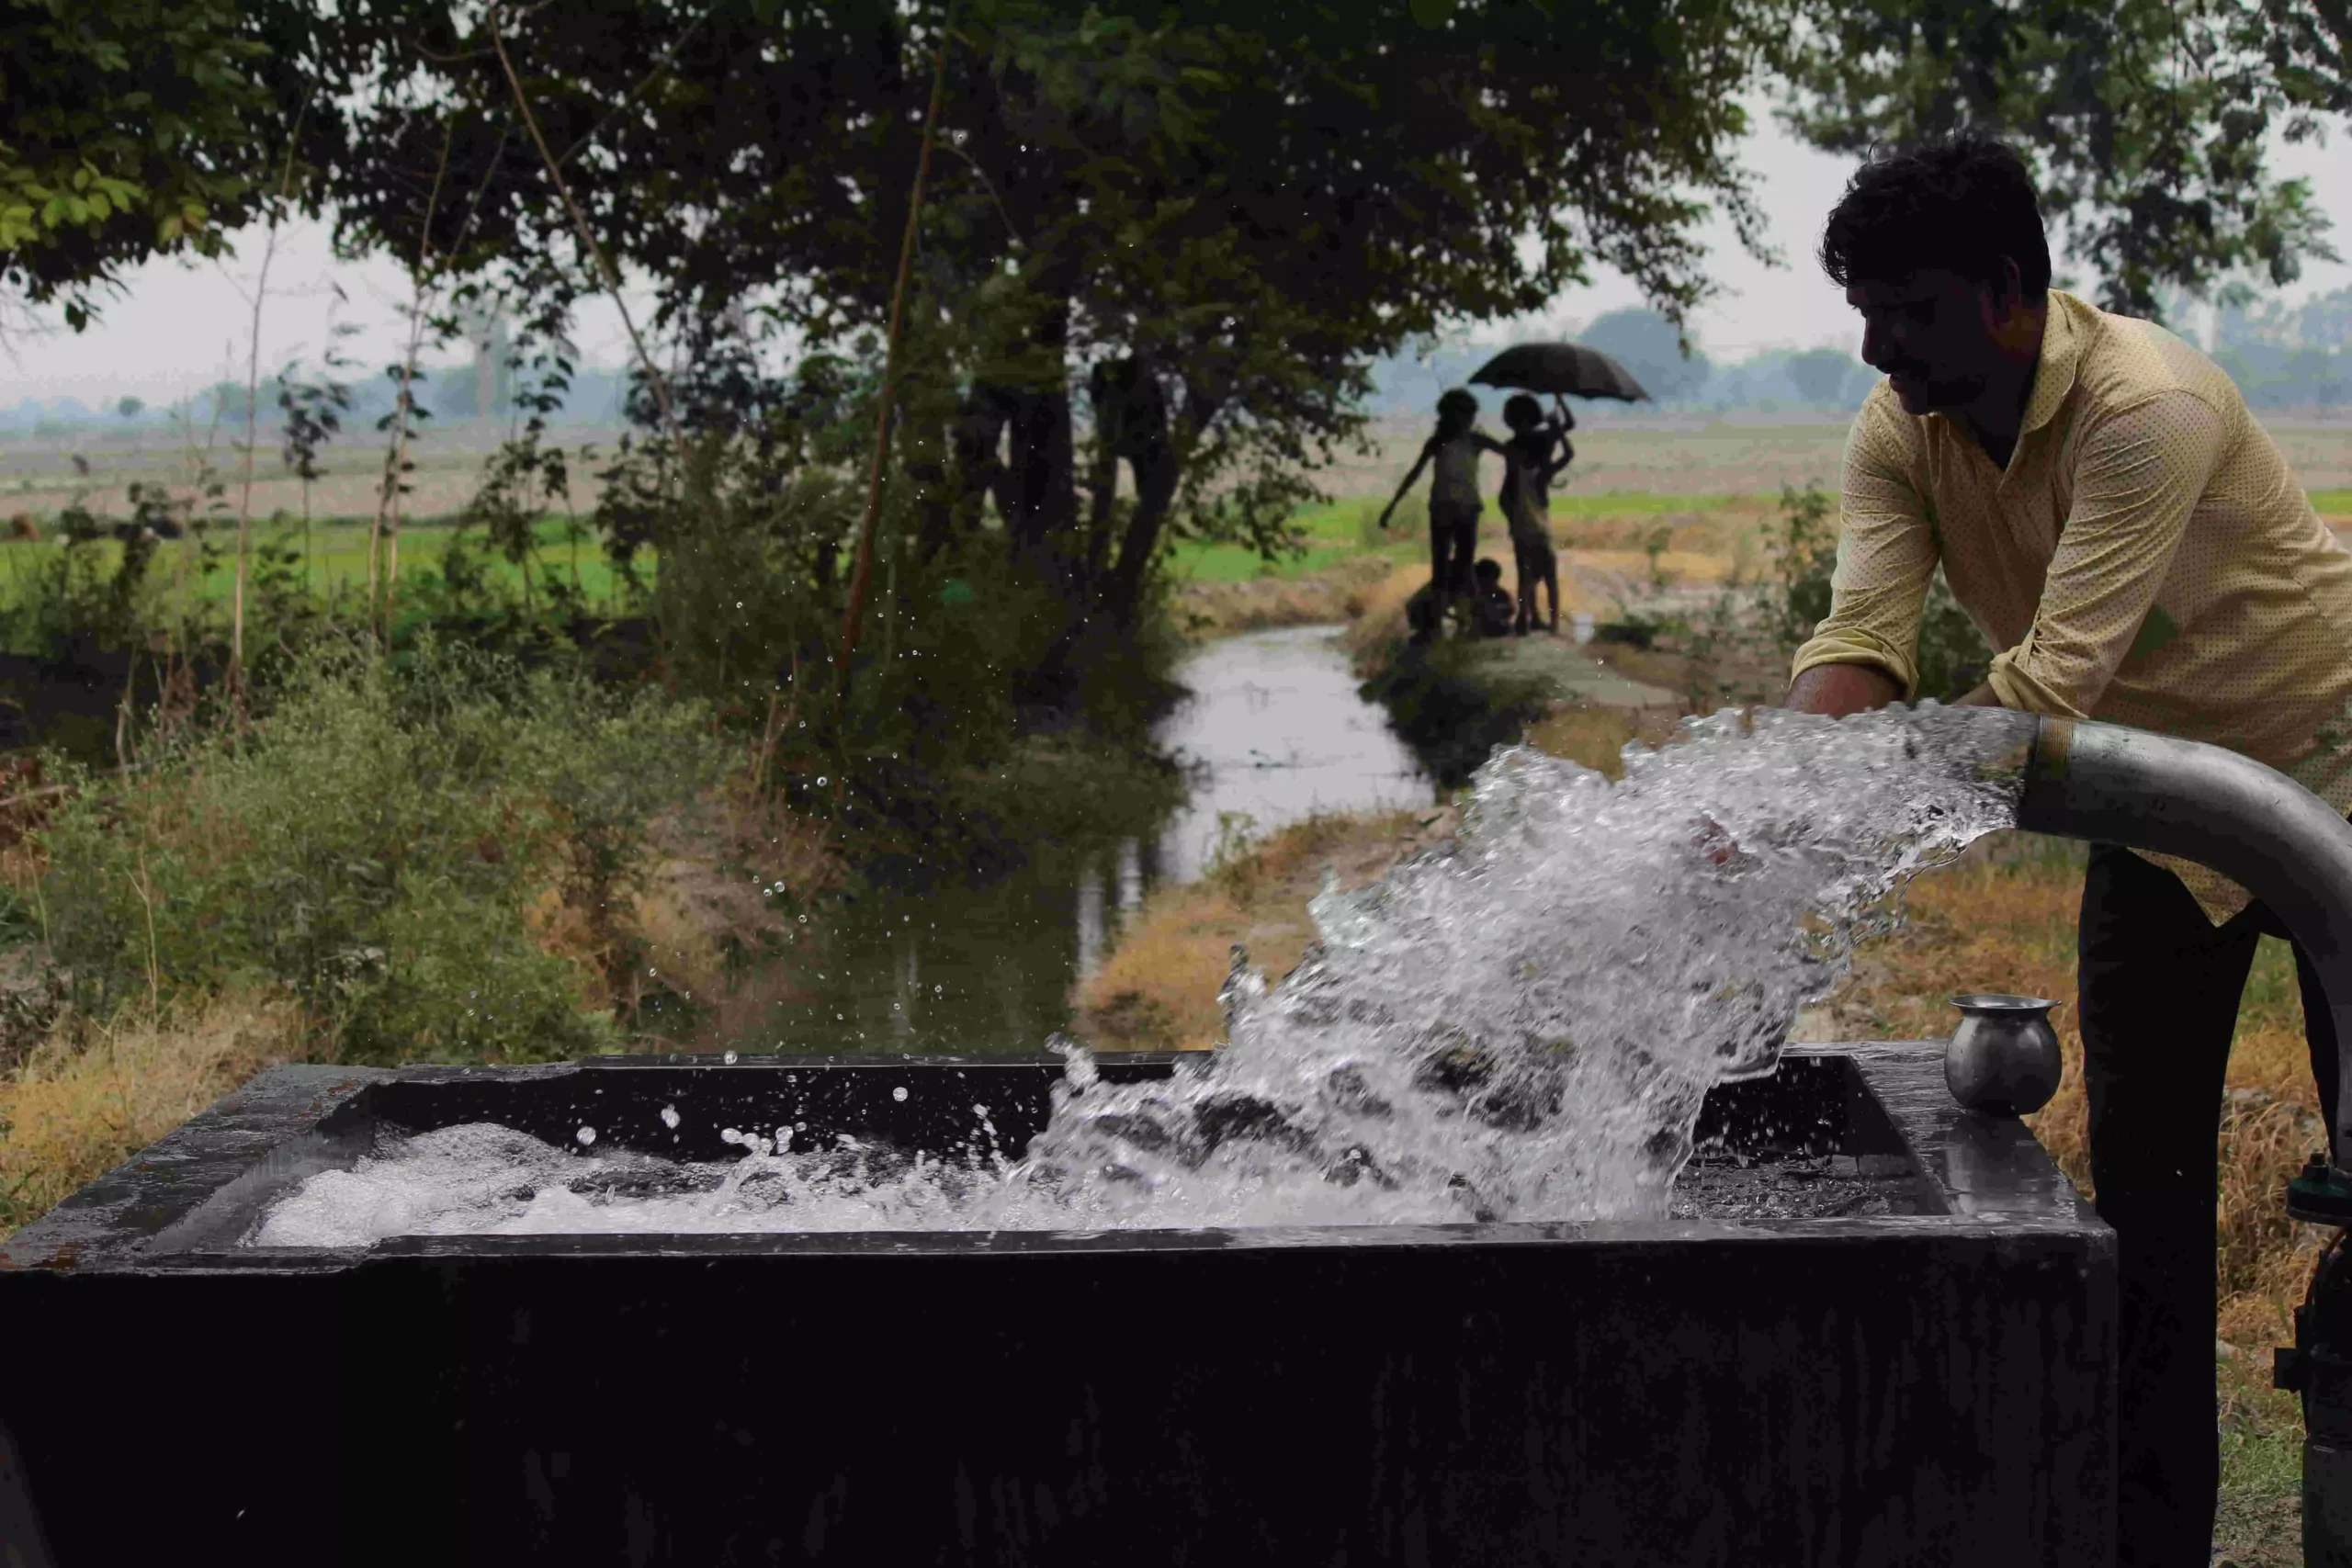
(182, 326)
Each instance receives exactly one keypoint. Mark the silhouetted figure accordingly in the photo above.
(1527, 501)
(1490, 607)
(1453, 490)
(81, 465)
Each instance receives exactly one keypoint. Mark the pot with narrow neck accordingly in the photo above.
(2003, 1059)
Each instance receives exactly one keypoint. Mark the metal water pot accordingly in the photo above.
(2003, 1059)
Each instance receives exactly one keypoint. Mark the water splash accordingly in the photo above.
(1521, 1025)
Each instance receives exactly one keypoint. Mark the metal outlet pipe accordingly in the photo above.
(2250, 822)
(2292, 851)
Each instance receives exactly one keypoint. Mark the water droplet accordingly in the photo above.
(586, 1135)
(728, 1058)
(670, 1116)
(900, 1094)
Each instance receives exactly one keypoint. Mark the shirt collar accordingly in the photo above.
(2061, 356)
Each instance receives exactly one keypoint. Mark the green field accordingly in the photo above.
(1332, 533)
(337, 562)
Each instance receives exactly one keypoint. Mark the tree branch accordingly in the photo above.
(861, 573)
(605, 270)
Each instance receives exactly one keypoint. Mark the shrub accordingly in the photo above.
(372, 845)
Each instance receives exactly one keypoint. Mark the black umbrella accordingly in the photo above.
(1560, 368)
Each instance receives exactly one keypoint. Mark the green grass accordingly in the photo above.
(2332, 501)
(1332, 533)
(338, 557)
(2262, 1469)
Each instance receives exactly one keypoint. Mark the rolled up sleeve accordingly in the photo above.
(1886, 555)
(2138, 479)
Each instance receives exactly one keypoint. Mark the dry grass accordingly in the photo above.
(697, 909)
(1158, 990)
(89, 1096)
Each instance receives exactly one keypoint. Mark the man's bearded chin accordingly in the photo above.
(1920, 394)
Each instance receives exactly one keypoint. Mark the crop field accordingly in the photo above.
(335, 564)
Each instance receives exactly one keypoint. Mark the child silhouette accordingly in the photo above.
(1454, 491)
(1527, 500)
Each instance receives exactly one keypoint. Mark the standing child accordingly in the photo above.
(1527, 500)
(1454, 491)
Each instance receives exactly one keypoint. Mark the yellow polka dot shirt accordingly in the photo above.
(2146, 558)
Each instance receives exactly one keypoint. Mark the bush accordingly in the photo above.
(377, 845)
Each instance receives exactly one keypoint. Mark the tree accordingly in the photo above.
(1820, 374)
(2147, 121)
(1648, 344)
(1164, 245)
(134, 128)
(129, 408)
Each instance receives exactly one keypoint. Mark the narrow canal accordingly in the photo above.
(1272, 733)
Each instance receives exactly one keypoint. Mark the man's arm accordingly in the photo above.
(2137, 479)
(1840, 689)
(1863, 653)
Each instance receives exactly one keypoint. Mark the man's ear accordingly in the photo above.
(2005, 297)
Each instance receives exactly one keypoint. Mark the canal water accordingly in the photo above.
(1272, 732)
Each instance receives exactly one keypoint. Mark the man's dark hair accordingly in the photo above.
(1961, 202)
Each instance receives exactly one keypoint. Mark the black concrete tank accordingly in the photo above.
(1931, 1384)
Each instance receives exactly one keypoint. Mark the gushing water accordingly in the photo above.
(1521, 1025)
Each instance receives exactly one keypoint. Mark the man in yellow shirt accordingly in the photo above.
(2118, 525)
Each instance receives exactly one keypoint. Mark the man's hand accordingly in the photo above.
(1840, 689)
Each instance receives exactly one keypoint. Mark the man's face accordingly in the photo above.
(1932, 334)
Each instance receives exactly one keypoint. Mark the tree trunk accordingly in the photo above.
(1105, 395)
(1039, 492)
(1146, 442)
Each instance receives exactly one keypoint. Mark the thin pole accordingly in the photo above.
(604, 271)
(862, 573)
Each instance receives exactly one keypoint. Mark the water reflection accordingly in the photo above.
(1281, 734)
(1275, 732)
